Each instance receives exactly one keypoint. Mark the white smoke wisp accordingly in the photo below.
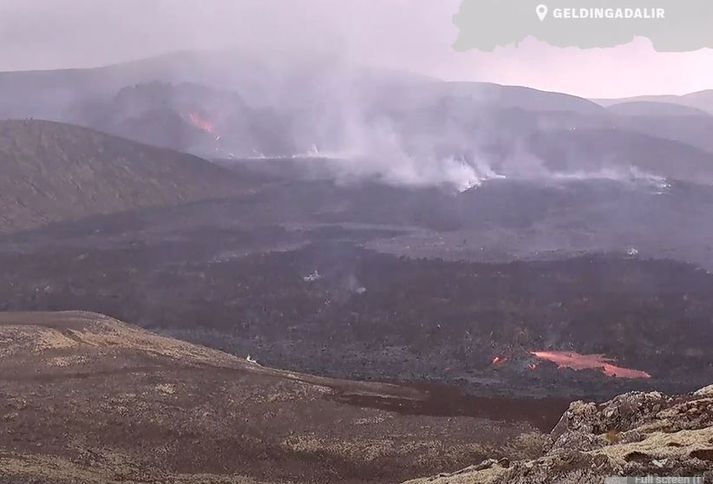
(523, 164)
(630, 174)
(352, 127)
(376, 151)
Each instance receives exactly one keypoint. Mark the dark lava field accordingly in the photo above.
(292, 274)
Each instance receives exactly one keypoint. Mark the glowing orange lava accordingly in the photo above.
(499, 360)
(575, 361)
(201, 123)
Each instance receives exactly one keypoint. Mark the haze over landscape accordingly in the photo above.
(269, 242)
(415, 36)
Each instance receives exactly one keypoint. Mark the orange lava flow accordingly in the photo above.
(575, 361)
(201, 123)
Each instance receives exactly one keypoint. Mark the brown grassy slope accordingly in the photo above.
(86, 398)
(52, 172)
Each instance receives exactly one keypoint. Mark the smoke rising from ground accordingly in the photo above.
(364, 124)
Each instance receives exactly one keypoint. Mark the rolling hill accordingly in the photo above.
(89, 399)
(51, 172)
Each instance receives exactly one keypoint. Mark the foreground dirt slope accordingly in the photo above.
(635, 434)
(86, 398)
(51, 172)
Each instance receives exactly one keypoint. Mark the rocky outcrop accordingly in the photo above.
(634, 434)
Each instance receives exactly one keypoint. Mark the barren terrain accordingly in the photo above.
(89, 399)
(296, 275)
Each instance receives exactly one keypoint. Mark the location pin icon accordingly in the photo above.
(542, 12)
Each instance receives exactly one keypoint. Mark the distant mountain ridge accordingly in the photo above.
(702, 100)
(655, 108)
(394, 126)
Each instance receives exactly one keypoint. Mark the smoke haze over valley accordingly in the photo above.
(309, 241)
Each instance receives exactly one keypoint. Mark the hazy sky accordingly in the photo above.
(406, 34)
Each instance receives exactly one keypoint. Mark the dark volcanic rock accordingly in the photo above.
(634, 434)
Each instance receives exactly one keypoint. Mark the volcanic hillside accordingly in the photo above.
(88, 399)
(51, 172)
